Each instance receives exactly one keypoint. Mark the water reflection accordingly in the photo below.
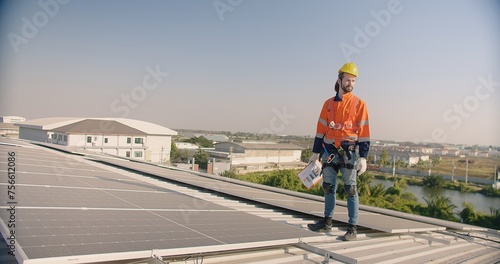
(480, 202)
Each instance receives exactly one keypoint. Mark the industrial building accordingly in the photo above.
(114, 136)
(259, 156)
(7, 127)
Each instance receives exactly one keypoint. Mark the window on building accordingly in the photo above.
(138, 140)
(89, 139)
(105, 140)
(138, 154)
(59, 137)
(127, 154)
(65, 138)
(129, 140)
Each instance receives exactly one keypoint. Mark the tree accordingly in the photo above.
(305, 155)
(384, 158)
(440, 207)
(285, 179)
(201, 158)
(378, 190)
(364, 181)
(174, 152)
(433, 181)
(184, 155)
(401, 183)
(201, 142)
(468, 214)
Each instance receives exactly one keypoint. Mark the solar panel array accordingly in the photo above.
(272, 196)
(69, 209)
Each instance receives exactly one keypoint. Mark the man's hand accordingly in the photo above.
(314, 157)
(361, 166)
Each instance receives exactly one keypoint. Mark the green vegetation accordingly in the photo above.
(200, 141)
(201, 158)
(480, 167)
(394, 198)
(433, 181)
(177, 155)
(305, 155)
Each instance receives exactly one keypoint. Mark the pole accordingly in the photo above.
(452, 170)
(430, 165)
(230, 158)
(466, 169)
(393, 166)
(495, 175)
(161, 155)
(279, 155)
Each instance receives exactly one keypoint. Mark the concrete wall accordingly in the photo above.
(33, 134)
(150, 149)
(159, 147)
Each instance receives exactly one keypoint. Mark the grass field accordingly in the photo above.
(478, 167)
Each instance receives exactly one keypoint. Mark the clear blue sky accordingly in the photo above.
(428, 70)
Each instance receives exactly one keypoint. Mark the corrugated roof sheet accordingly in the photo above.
(264, 146)
(93, 126)
(52, 123)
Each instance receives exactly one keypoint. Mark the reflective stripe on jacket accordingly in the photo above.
(343, 120)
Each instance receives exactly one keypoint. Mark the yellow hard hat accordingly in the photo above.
(350, 68)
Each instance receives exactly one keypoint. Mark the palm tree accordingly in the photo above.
(440, 207)
(364, 182)
(468, 215)
(433, 181)
(377, 190)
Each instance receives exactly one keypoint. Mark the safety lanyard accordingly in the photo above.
(330, 157)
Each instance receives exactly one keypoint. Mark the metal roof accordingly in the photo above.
(94, 208)
(266, 146)
(54, 123)
(92, 126)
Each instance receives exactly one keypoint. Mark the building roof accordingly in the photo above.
(266, 146)
(48, 123)
(11, 119)
(98, 212)
(94, 126)
(69, 123)
(212, 137)
(216, 137)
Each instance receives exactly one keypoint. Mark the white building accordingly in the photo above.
(116, 136)
(7, 127)
(11, 119)
(247, 157)
(186, 145)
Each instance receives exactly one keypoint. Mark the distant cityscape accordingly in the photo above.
(238, 151)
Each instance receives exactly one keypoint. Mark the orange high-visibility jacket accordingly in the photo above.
(343, 119)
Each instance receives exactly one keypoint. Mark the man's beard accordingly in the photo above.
(347, 88)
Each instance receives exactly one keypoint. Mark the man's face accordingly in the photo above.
(347, 83)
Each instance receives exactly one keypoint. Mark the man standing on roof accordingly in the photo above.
(342, 128)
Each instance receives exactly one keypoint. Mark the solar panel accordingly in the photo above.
(69, 210)
(309, 206)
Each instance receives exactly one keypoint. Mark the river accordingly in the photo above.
(480, 202)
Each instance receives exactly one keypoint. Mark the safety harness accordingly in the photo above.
(348, 123)
(338, 157)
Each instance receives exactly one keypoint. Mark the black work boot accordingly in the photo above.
(351, 233)
(321, 226)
